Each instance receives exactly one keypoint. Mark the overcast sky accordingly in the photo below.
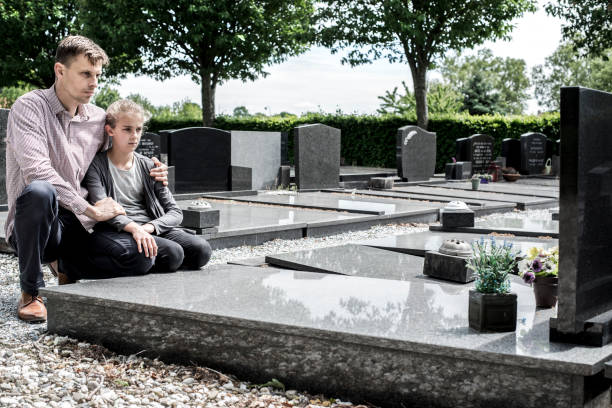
(317, 80)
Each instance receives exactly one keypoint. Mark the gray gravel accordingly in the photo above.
(42, 370)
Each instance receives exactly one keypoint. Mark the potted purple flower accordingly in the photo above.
(541, 269)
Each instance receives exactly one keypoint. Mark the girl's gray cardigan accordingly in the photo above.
(160, 204)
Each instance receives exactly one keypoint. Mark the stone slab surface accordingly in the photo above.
(521, 201)
(352, 260)
(507, 188)
(421, 242)
(539, 181)
(341, 202)
(515, 226)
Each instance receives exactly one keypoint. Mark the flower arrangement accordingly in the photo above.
(492, 263)
(539, 263)
(482, 177)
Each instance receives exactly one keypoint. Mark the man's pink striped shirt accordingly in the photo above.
(44, 142)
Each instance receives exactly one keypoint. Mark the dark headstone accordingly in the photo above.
(3, 122)
(150, 145)
(447, 267)
(585, 267)
(381, 183)
(260, 151)
(317, 156)
(172, 179)
(550, 147)
(415, 153)
(511, 150)
(163, 145)
(285, 149)
(241, 178)
(284, 176)
(480, 152)
(463, 170)
(533, 153)
(449, 171)
(202, 157)
(457, 218)
(461, 149)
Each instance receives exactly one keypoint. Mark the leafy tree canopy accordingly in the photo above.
(212, 41)
(587, 23)
(414, 31)
(507, 77)
(29, 33)
(441, 98)
(566, 67)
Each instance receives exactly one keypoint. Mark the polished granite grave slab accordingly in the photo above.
(352, 260)
(420, 242)
(339, 202)
(395, 343)
(526, 227)
(507, 188)
(522, 202)
(481, 207)
(540, 181)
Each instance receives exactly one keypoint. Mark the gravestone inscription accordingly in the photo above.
(585, 265)
(533, 153)
(317, 156)
(480, 152)
(3, 122)
(150, 145)
(415, 153)
(202, 157)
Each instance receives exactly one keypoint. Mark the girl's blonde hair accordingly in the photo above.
(124, 106)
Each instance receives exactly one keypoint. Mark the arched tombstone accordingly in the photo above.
(317, 156)
(533, 153)
(415, 153)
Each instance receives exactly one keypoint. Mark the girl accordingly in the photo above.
(145, 238)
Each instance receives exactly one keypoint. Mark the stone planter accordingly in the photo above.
(545, 289)
(492, 312)
(475, 184)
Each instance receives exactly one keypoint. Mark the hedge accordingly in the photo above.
(370, 140)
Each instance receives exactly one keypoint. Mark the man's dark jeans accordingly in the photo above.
(44, 232)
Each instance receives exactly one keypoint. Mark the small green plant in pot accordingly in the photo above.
(492, 307)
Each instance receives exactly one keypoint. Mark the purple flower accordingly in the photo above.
(529, 277)
(454, 160)
(536, 265)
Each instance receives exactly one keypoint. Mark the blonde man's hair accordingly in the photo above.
(75, 45)
(123, 106)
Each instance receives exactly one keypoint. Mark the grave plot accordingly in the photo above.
(352, 260)
(383, 341)
(421, 242)
(509, 224)
(539, 181)
(352, 203)
(522, 202)
(507, 188)
(481, 207)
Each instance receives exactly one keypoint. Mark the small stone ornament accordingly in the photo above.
(449, 262)
(456, 214)
(199, 205)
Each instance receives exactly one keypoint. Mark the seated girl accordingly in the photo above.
(151, 215)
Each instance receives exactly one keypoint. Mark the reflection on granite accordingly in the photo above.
(342, 202)
(234, 215)
(392, 342)
(352, 260)
(461, 194)
(420, 242)
(543, 226)
(507, 188)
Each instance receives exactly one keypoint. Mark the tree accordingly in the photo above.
(241, 112)
(566, 67)
(479, 97)
(213, 41)
(506, 76)
(441, 98)
(414, 31)
(105, 96)
(587, 23)
(30, 31)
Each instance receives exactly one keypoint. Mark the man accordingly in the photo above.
(52, 137)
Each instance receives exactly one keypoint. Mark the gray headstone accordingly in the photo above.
(463, 170)
(533, 153)
(317, 156)
(261, 151)
(511, 150)
(585, 278)
(3, 122)
(415, 153)
(150, 145)
(202, 157)
(480, 152)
